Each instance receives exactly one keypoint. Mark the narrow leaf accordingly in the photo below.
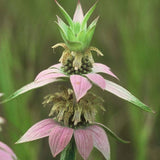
(62, 24)
(28, 87)
(84, 142)
(126, 95)
(59, 139)
(97, 79)
(100, 140)
(39, 130)
(101, 68)
(87, 16)
(78, 15)
(93, 23)
(111, 133)
(65, 14)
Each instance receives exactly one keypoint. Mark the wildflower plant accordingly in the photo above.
(73, 109)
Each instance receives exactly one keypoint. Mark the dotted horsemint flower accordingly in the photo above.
(6, 153)
(59, 137)
(81, 83)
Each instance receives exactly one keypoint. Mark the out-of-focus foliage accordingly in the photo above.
(128, 35)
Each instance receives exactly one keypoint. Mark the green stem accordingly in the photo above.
(69, 153)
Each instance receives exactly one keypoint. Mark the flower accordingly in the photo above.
(6, 153)
(59, 137)
(81, 83)
(76, 35)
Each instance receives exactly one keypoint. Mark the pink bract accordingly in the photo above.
(81, 83)
(6, 153)
(78, 15)
(60, 136)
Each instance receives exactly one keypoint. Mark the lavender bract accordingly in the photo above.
(59, 137)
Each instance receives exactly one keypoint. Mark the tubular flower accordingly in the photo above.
(59, 137)
(81, 83)
(6, 153)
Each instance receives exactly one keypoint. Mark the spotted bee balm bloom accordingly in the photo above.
(60, 136)
(73, 110)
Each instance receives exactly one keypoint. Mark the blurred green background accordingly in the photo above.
(128, 35)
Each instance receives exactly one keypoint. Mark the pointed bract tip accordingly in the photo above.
(78, 15)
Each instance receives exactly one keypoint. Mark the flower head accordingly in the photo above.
(6, 153)
(81, 83)
(59, 137)
(76, 34)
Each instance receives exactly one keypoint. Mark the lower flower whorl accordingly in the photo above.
(71, 113)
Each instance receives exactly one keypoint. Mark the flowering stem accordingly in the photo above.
(69, 153)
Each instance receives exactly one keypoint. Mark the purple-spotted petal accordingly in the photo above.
(49, 76)
(39, 130)
(29, 87)
(59, 139)
(125, 94)
(6, 153)
(101, 68)
(100, 140)
(80, 85)
(78, 15)
(97, 79)
(84, 142)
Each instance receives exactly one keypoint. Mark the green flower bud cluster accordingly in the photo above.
(75, 33)
(85, 68)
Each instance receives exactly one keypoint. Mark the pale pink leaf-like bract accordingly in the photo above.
(39, 130)
(100, 140)
(59, 139)
(80, 85)
(84, 142)
(97, 79)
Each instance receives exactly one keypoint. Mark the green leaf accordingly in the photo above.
(81, 36)
(62, 32)
(65, 14)
(74, 46)
(89, 35)
(77, 27)
(111, 133)
(87, 16)
(28, 87)
(126, 95)
(93, 23)
(62, 24)
(70, 35)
